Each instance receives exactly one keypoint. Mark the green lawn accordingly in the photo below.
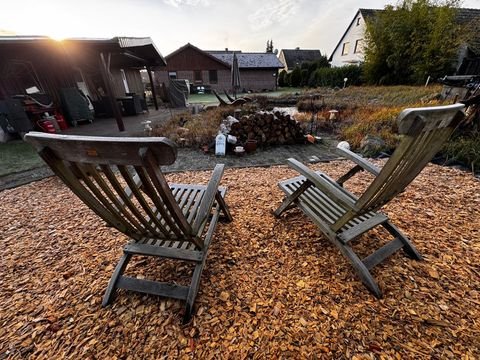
(211, 99)
(16, 156)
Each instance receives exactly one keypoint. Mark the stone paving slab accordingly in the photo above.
(134, 125)
(189, 159)
(194, 160)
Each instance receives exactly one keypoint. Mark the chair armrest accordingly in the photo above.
(209, 197)
(333, 192)
(357, 159)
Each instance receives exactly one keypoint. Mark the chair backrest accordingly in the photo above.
(424, 131)
(120, 179)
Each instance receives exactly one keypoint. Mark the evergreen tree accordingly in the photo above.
(281, 79)
(270, 46)
(296, 77)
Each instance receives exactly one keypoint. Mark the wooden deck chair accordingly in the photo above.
(343, 217)
(120, 179)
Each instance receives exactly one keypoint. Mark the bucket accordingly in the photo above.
(250, 146)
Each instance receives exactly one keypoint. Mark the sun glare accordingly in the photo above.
(57, 37)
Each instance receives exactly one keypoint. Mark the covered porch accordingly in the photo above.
(81, 78)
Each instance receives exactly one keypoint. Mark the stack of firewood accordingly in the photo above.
(268, 128)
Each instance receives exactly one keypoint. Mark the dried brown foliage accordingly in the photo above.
(272, 288)
(191, 130)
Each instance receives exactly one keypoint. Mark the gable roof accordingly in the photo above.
(466, 15)
(471, 17)
(188, 45)
(249, 60)
(367, 14)
(142, 48)
(298, 56)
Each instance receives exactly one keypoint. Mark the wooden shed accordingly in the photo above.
(103, 69)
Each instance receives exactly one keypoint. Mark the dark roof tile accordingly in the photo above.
(299, 56)
(249, 60)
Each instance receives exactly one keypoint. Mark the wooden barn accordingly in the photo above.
(212, 69)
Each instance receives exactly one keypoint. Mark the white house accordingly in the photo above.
(349, 49)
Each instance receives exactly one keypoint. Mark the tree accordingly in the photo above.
(269, 46)
(409, 42)
(281, 79)
(296, 77)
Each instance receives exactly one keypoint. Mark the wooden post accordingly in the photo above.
(154, 94)
(105, 70)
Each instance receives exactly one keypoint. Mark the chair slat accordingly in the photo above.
(151, 250)
(106, 196)
(150, 219)
(134, 216)
(187, 196)
(152, 167)
(173, 291)
(192, 211)
(159, 210)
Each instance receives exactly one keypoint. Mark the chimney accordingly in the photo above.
(226, 49)
(297, 48)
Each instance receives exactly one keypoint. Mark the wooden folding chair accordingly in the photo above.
(120, 179)
(343, 217)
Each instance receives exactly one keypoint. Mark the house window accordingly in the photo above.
(345, 48)
(213, 76)
(172, 75)
(358, 21)
(197, 76)
(358, 46)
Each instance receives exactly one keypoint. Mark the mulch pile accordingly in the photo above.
(272, 288)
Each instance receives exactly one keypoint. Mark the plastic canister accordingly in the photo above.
(220, 144)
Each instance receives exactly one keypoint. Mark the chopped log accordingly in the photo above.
(268, 128)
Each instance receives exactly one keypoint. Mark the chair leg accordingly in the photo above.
(288, 202)
(192, 292)
(223, 207)
(197, 273)
(112, 285)
(360, 268)
(408, 247)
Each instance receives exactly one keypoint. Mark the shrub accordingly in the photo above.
(378, 122)
(464, 149)
(193, 130)
(334, 77)
(281, 78)
(288, 77)
(295, 77)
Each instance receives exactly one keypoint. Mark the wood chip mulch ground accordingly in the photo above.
(272, 288)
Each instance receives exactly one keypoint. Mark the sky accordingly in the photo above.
(208, 24)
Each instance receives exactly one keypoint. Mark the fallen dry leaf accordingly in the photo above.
(271, 288)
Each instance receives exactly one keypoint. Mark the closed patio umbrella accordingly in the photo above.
(236, 84)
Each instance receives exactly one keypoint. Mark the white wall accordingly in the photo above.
(355, 32)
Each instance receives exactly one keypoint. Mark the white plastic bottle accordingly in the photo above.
(220, 144)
